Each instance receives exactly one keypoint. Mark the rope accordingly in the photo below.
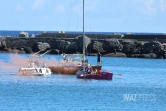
(69, 18)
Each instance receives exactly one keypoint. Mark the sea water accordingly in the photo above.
(142, 87)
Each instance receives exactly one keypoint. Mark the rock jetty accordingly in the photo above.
(115, 45)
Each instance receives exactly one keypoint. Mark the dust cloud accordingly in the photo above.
(16, 61)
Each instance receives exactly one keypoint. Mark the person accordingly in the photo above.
(99, 71)
(89, 69)
(70, 62)
(64, 59)
(64, 56)
(85, 63)
(98, 58)
(29, 63)
(44, 65)
(32, 64)
(78, 63)
(96, 72)
(37, 63)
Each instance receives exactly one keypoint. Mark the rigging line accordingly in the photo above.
(90, 24)
(76, 20)
(69, 19)
(68, 16)
(79, 20)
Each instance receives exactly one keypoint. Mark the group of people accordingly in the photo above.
(89, 70)
(35, 63)
(65, 60)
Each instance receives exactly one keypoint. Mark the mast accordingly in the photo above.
(83, 37)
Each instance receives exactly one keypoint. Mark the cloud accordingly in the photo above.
(19, 8)
(59, 9)
(76, 7)
(91, 5)
(162, 5)
(145, 7)
(150, 7)
(38, 4)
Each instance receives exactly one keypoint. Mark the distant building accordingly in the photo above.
(23, 34)
(61, 32)
(32, 35)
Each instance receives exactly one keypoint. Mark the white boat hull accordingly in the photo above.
(35, 71)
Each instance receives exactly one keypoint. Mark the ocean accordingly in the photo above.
(16, 33)
(142, 87)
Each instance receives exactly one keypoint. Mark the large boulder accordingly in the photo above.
(132, 47)
(150, 55)
(17, 51)
(2, 44)
(72, 48)
(60, 45)
(54, 51)
(153, 47)
(96, 47)
(26, 49)
(23, 49)
(79, 42)
(112, 45)
(55, 44)
(40, 46)
(128, 41)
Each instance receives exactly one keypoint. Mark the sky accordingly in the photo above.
(100, 15)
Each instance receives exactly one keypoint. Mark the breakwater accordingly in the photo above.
(118, 45)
